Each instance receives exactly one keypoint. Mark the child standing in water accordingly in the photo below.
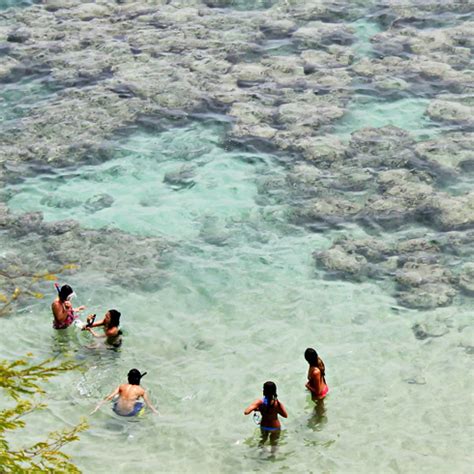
(270, 407)
(63, 312)
(316, 383)
(129, 394)
(111, 324)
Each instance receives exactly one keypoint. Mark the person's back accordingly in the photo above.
(270, 409)
(129, 394)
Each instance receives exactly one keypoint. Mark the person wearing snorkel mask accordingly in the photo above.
(63, 312)
(128, 395)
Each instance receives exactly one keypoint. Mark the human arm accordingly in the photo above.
(93, 332)
(253, 407)
(106, 399)
(314, 381)
(68, 306)
(148, 403)
(282, 410)
(59, 310)
(94, 324)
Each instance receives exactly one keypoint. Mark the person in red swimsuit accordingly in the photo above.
(316, 383)
(63, 312)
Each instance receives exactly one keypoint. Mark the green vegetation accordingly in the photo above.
(20, 379)
(19, 282)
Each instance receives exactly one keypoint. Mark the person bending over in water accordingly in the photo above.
(270, 407)
(111, 323)
(316, 383)
(63, 312)
(129, 394)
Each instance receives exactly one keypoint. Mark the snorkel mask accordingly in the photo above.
(69, 297)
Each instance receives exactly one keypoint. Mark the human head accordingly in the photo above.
(113, 317)
(134, 376)
(66, 293)
(311, 356)
(269, 390)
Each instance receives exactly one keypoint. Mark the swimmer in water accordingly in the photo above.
(270, 407)
(63, 312)
(129, 394)
(111, 324)
(316, 383)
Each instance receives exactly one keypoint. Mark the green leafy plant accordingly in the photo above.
(20, 379)
(22, 283)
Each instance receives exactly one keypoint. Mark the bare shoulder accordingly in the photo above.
(112, 331)
(314, 373)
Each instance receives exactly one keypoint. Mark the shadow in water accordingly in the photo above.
(318, 418)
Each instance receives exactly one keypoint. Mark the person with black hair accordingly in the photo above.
(316, 383)
(128, 397)
(111, 324)
(63, 312)
(270, 407)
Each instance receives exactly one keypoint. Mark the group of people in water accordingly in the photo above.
(128, 397)
(269, 407)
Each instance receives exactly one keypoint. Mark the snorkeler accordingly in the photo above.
(316, 383)
(270, 407)
(63, 312)
(111, 322)
(127, 403)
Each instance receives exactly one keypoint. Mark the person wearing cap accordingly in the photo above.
(63, 312)
(128, 395)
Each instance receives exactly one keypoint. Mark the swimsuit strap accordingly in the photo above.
(70, 318)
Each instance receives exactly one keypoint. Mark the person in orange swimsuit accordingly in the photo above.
(270, 407)
(316, 383)
(63, 312)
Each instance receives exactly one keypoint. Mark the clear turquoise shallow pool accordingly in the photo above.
(239, 299)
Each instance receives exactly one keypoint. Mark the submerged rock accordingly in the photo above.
(181, 178)
(110, 254)
(466, 278)
(317, 33)
(449, 111)
(339, 262)
(321, 213)
(454, 150)
(214, 232)
(98, 202)
(418, 267)
(424, 331)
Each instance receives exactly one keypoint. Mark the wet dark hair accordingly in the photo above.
(314, 360)
(270, 394)
(114, 318)
(64, 292)
(134, 376)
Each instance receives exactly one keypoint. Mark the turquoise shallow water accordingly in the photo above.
(239, 301)
(231, 316)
